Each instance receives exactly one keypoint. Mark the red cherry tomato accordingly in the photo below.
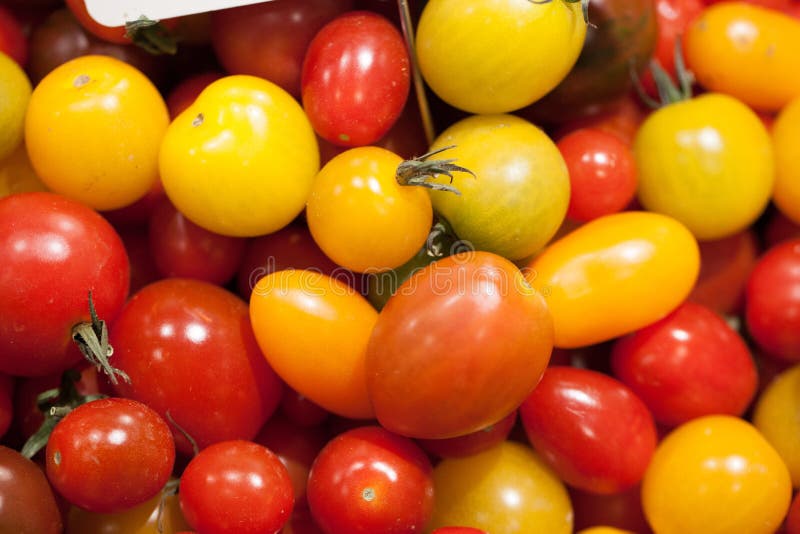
(364, 53)
(12, 40)
(793, 516)
(621, 510)
(27, 504)
(301, 410)
(581, 420)
(185, 93)
(473, 443)
(368, 480)
(6, 408)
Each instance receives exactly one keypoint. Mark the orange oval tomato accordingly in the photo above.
(313, 331)
(615, 275)
(776, 417)
(786, 142)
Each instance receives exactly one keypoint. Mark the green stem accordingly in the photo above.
(150, 35)
(92, 341)
(420, 171)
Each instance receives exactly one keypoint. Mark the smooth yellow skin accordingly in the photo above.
(15, 93)
(777, 417)
(17, 175)
(716, 475)
(614, 275)
(141, 519)
(361, 217)
(497, 56)
(313, 331)
(241, 159)
(786, 142)
(505, 490)
(746, 51)
(707, 162)
(604, 530)
(520, 193)
(93, 131)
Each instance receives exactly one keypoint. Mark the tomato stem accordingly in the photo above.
(150, 35)
(668, 91)
(584, 8)
(419, 171)
(184, 433)
(92, 341)
(442, 241)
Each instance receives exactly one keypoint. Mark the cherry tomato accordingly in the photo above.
(621, 510)
(15, 89)
(300, 410)
(622, 119)
(792, 524)
(779, 228)
(716, 474)
(774, 416)
(110, 454)
(187, 91)
(27, 504)
(369, 480)
(144, 518)
(236, 486)
(607, 278)
(473, 443)
(13, 42)
(688, 364)
(6, 408)
(786, 140)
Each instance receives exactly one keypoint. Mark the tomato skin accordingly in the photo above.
(6, 408)
(427, 379)
(369, 480)
(140, 519)
(746, 51)
(606, 278)
(687, 365)
(774, 417)
(713, 475)
(28, 505)
(13, 42)
(786, 139)
(621, 510)
(182, 95)
(236, 486)
(578, 420)
(792, 524)
(473, 443)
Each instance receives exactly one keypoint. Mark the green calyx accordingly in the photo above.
(668, 91)
(421, 170)
(150, 35)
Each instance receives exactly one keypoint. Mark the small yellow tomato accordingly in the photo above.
(786, 141)
(507, 489)
(313, 331)
(707, 162)
(17, 175)
(716, 475)
(614, 275)
(93, 130)
(15, 93)
(777, 417)
(241, 159)
(746, 51)
(361, 217)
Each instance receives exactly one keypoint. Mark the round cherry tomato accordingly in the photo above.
(13, 42)
(688, 364)
(361, 217)
(774, 416)
(236, 486)
(504, 490)
(457, 348)
(786, 140)
(150, 517)
(369, 480)
(495, 57)
(713, 475)
(579, 419)
(15, 89)
(27, 504)
(607, 278)
(241, 159)
(110, 454)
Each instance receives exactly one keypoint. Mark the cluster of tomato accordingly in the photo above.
(251, 283)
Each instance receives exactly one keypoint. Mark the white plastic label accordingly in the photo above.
(118, 12)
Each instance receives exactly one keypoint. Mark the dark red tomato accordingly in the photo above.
(688, 364)
(780, 228)
(772, 308)
(622, 119)
(301, 522)
(602, 173)
(370, 480)
(270, 39)
(189, 349)
(143, 265)
(473, 443)
(12, 40)
(138, 214)
(109, 455)
(27, 504)
(236, 486)
(458, 530)
(55, 251)
(725, 265)
(792, 524)
(182, 249)
(184, 94)
(621, 510)
(363, 52)
(6, 407)
(590, 428)
(300, 410)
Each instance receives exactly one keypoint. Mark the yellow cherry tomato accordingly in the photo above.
(707, 162)
(746, 51)
(17, 175)
(507, 489)
(604, 530)
(614, 275)
(716, 475)
(15, 93)
(494, 57)
(786, 141)
(313, 331)
(241, 159)
(141, 519)
(361, 217)
(777, 417)
(520, 193)
(93, 131)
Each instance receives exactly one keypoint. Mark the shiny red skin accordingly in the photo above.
(236, 486)
(687, 365)
(270, 39)
(377, 90)
(370, 480)
(189, 349)
(27, 504)
(593, 430)
(473, 443)
(182, 249)
(109, 455)
(54, 252)
(772, 308)
(143, 265)
(12, 40)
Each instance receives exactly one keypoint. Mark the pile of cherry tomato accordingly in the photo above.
(349, 267)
